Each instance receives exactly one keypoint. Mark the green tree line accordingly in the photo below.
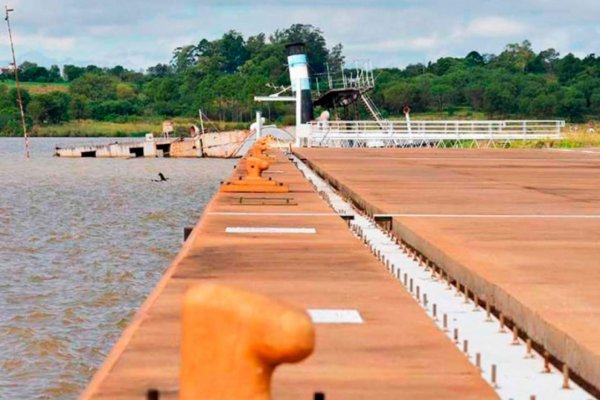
(516, 83)
(222, 76)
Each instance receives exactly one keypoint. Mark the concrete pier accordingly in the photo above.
(293, 247)
(115, 149)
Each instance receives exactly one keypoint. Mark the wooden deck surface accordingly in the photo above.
(521, 228)
(398, 353)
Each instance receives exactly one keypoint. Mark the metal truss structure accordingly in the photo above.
(408, 133)
(358, 76)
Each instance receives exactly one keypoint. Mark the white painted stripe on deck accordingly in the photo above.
(467, 158)
(532, 216)
(324, 316)
(254, 229)
(575, 151)
(519, 377)
(274, 214)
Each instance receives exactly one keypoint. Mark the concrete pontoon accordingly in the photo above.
(218, 145)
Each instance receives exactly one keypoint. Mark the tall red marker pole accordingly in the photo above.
(18, 84)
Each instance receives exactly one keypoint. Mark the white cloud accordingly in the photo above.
(559, 39)
(390, 32)
(420, 43)
(494, 27)
(39, 42)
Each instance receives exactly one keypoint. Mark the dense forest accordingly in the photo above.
(222, 76)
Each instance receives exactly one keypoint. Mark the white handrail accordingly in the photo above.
(491, 128)
(399, 132)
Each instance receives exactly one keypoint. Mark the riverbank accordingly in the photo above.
(40, 87)
(91, 128)
(578, 138)
(575, 135)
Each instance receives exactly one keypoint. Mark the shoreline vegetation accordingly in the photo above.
(575, 135)
(222, 76)
(92, 128)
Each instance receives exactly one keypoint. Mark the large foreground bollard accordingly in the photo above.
(233, 340)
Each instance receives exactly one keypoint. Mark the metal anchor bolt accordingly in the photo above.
(515, 341)
(546, 363)
(529, 352)
(566, 377)
(494, 376)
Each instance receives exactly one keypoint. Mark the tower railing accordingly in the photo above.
(358, 76)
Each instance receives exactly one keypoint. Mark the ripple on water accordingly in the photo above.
(12, 364)
(162, 252)
(32, 317)
(89, 240)
(17, 332)
(72, 315)
(62, 388)
(106, 299)
(41, 278)
(156, 216)
(46, 348)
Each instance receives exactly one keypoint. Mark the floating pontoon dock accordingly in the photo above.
(507, 239)
(302, 252)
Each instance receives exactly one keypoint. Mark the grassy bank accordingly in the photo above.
(460, 113)
(90, 128)
(570, 140)
(40, 88)
(575, 135)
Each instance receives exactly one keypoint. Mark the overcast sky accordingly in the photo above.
(142, 33)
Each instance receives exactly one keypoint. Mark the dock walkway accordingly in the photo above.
(518, 228)
(397, 353)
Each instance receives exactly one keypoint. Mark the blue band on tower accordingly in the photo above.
(304, 84)
(297, 60)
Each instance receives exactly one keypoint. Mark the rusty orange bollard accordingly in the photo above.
(253, 182)
(258, 151)
(233, 340)
(254, 169)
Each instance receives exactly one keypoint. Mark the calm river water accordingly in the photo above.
(82, 243)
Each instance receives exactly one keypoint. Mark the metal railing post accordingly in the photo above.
(258, 124)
